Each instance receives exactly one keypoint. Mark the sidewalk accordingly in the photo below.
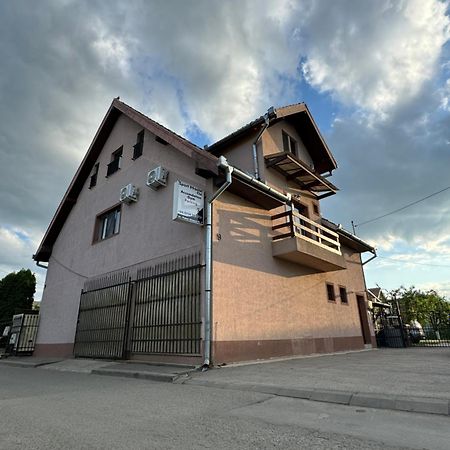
(413, 379)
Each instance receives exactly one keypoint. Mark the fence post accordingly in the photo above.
(128, 325)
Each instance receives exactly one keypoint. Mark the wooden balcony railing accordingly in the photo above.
(291, 224)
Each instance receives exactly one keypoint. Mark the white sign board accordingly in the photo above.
(188, 203)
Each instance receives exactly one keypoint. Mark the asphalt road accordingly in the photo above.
(60, 410)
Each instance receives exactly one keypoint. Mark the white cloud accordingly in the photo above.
(214, 66)
(375, 54)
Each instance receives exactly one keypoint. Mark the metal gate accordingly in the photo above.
(159, 312)
(103, 317)
(167, 308)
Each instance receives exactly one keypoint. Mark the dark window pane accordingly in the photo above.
(330, 292)
(285, 142)
(108, 224)
(93, 180)
(139, 146)
(343, 294)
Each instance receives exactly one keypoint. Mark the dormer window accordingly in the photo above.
(93, 181)
(139, 146)
(114, 165)
(289, 144)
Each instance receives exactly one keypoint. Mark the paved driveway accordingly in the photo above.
(423, 372)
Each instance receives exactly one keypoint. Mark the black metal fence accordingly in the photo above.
(427, 336)
(159, 312)
(103, 317)
(167, 315)
(18, 335)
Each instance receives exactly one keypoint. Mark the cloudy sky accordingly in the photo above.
(375, 74)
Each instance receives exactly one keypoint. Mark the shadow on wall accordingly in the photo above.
(244, 238)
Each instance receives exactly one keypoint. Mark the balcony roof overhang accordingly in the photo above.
(244, 189)
(297, 171)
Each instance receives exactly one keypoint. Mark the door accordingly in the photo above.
(362, 309)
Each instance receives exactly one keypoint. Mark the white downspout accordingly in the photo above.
(286, 198)
(208, 262)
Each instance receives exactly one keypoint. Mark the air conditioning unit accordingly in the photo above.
(129, 194)
(157, 177)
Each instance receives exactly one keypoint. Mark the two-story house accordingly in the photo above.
(164, 251)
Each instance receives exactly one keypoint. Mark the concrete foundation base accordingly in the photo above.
(233, 351)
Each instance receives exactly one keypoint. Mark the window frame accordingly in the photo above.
(99, 223)
(344, 289)
(330, 285)
(286, 137)
(138, 148)
(94, 176)
(117, 155)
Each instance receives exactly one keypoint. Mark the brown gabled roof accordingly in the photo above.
(205, 161)
(297, 113)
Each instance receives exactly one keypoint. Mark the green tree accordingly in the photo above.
(16, 293)
(427, 307)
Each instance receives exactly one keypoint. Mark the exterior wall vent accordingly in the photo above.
(129, 194)
(157, 177)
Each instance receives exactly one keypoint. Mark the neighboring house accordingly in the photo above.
(265, 275)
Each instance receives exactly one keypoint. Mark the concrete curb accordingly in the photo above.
(27, 364)
(369, 400)
(139, 374)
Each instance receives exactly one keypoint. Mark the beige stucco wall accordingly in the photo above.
(272, 140)
(147, 231)
(264, 306)
(257, 297)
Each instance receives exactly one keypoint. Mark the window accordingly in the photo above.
(289, 144)
(139, 146)
(107, 224)
(316, 208)
(330, 293)
(94, 176)
(343, 294)
(114, 165)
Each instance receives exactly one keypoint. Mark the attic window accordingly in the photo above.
(139, 146)
(114, 165)
(93, 181)
(289, 144)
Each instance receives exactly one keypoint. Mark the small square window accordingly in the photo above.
(316, 209)
(330, 293)
(343, 294)
(139, 146)
(107, 224)
(93, 181)
(114, 165)
(289, 144)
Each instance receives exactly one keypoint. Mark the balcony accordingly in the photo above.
(303, 241)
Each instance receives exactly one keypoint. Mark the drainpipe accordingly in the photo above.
(255, 144)
(208, 262)
(39, 264)
(371, 258)
(223, 164)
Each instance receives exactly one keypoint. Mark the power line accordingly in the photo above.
(412, 262)
(402, 208)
